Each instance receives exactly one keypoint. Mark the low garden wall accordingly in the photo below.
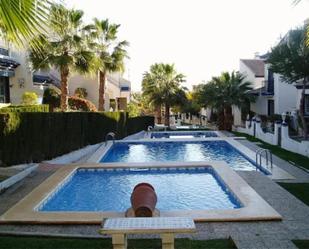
(268, 137)
(253, 128)
(301, 147)
(35, 136)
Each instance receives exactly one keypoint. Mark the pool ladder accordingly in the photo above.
(268, 156)
(110, 134)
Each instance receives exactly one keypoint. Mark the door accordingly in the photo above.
(271, 107)
(4, 90)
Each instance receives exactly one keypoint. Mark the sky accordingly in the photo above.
(201, 37)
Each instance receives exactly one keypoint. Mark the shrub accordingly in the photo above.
(29, 98)
(136, 124)
(33, 137)
(79, 104)
(81, 92)
(24, 108)
(51, 97)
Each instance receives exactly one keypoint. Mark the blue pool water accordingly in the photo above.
(180, 152)
(177, 189)
(200, 134)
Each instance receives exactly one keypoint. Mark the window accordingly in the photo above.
(4, 51)
(125, 89)
(4, 90)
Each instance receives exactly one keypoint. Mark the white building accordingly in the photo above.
(17, 77)
(117, 90)
(274, 96)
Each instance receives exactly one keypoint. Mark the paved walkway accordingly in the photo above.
(298, 173)
(246, 235)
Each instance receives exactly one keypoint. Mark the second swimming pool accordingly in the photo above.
(188, 151)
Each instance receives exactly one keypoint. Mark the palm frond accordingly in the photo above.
(22, 20)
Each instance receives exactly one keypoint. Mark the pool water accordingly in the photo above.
(201, 134)
(176, 189)
(179, 152)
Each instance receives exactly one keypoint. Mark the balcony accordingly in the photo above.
(268, 88)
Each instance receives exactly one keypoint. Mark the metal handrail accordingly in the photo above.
(268, 156)
(110, 134)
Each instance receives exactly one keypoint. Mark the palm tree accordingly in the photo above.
(222, 92)
(110, 52)
(21, 20)
(66, 48)
(290, 59)
(162, 85)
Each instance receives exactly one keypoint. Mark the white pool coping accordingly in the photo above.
(276, 173)
(254, 207)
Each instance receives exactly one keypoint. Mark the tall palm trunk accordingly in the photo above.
(302, 109)
(167, 115)
(102, 80)
(221, 125)
(228, 118)
(64, 74)
(159, 114)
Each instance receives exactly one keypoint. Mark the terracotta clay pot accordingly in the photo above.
(143, 200)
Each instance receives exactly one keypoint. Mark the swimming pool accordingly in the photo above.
(184, 134)
(184, 151)
(109, 190)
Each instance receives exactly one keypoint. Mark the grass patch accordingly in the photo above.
(301, 244)
(300, 190)
(10, 242)
(286, 155)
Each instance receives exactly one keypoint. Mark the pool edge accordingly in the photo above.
(255, 207)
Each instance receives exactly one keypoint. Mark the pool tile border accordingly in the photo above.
(254, 207)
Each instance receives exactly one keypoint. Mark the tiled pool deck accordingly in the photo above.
(270, 234)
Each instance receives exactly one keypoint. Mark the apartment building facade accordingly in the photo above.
(17, 77)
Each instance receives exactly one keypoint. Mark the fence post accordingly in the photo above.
(284, 133)
(248, 124)
(258, 129)
(253, 126)
(277, 132)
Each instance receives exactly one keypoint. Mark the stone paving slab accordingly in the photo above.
(299, 174)
(19, 190)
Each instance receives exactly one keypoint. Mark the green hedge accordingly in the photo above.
(25, 108)
(33, 137)
(136, 124)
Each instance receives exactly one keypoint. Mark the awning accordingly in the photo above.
(42, 79)
(8, 63)
(125, 89)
